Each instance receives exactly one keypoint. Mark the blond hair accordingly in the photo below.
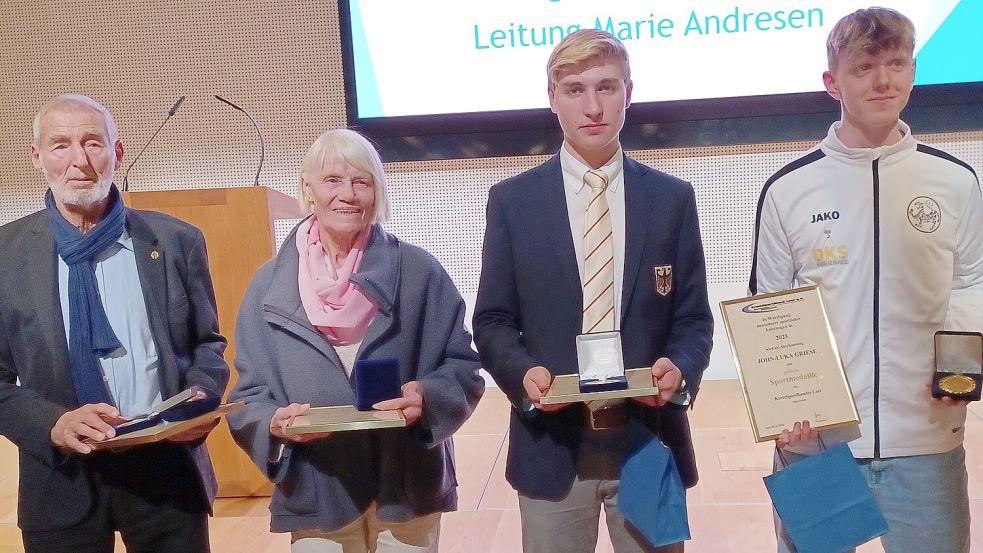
(583, 46)
(872, 30)
(354, 149)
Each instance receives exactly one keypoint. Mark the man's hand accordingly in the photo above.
(537, 382)
(91, 421)
(801, 434)
(668, 378)
(198, 432)
(411, 403)
(284, 416)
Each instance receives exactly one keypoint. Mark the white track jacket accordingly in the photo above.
(893, 236)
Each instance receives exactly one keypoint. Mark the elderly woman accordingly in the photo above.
(342, 290)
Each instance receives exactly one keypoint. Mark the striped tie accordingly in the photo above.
(598, 258)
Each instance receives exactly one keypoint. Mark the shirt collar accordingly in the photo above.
(574, 169)
(125, 240)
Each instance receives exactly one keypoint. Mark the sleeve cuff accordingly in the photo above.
(682, 397)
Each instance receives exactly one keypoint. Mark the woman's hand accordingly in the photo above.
(283, 416)
(411, 404)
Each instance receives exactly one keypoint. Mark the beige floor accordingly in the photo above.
(728, 511)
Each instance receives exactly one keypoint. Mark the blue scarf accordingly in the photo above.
(89, 334)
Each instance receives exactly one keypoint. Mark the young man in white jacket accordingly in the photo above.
(892, 232)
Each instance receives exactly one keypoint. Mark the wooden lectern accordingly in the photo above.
(238, 224)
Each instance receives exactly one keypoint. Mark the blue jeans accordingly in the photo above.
(924, 499)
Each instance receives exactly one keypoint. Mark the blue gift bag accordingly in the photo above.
(825, 503)
(651, 495)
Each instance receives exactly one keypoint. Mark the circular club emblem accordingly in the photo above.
(924, 214)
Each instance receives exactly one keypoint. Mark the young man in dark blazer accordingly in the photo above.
(104, 312)
(540, 288)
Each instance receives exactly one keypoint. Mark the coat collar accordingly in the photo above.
(151, 260)
(553, 221)
(42, 267)
(377, 276)
(638, 210)
(886, 154)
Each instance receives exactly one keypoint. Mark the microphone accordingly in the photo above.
(174, 108)
(262, 143)
(170, 113)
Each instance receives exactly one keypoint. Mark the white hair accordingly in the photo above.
(356, 150)
(75, 102)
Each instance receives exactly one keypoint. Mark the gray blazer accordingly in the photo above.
(283, 359)
(55, 490)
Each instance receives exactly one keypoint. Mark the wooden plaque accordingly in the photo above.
(163, 430)
(343, 419)
(566, 388)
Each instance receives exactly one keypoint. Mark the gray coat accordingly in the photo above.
(283, 359)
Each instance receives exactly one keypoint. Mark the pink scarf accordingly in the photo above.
(338, 308)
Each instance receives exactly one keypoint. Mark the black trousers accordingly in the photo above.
(150, 494)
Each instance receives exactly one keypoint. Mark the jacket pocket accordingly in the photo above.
(297, 493)
(429, 472)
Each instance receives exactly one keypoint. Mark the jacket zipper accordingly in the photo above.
(877, 310)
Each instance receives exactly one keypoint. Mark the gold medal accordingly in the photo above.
(957, 384)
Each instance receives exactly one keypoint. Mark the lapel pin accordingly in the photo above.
(154, 254)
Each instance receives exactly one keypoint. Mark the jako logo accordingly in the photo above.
(825, 216)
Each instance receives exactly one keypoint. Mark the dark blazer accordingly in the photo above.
(55, 489)
(528, 311)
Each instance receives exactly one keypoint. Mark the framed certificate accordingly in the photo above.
(787, 361)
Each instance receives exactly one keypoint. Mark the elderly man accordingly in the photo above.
(590, 241)
(104, 311)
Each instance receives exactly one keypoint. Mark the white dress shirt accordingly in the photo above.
(578, 195)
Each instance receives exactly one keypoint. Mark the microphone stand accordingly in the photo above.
(170, 113)
(262, 144)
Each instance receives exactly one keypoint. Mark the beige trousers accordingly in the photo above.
(569, 524)
(368, 534)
